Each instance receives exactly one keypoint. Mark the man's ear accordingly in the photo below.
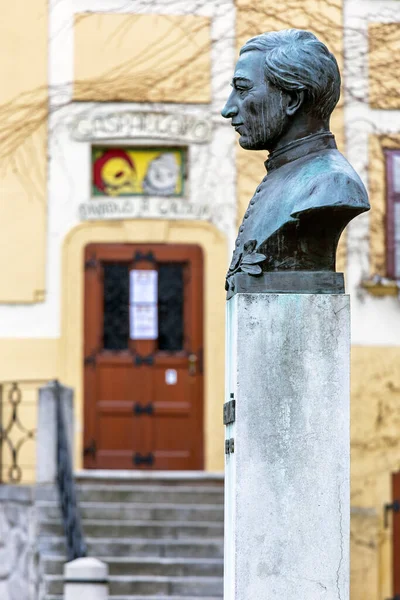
(296, 100)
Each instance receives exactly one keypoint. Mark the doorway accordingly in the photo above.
(143, 357)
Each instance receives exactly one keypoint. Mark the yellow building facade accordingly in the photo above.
(108, 78)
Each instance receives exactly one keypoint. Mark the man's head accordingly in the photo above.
(279, 77)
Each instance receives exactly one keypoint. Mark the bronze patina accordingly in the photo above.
(285, 87)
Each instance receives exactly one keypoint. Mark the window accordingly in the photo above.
(116, 306)
(169, 321)
(393, 213)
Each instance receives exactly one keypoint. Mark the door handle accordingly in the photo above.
(192, 364)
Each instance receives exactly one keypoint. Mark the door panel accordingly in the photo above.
(396, 535)
(143, 398)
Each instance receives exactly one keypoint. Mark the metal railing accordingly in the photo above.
(75, 542)
(13, 433)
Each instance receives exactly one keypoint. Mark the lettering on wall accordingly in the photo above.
(145, 208)
(134, 124)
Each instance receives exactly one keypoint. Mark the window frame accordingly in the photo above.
(392, 197)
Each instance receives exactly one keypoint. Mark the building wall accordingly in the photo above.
(372, 121)
(23, 159)
(181, 68)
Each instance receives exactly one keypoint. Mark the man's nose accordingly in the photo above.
(229, 110)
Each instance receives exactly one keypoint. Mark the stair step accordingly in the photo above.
(160, 533)
(159, 478)
(136, 547)
(149, 597)
(140, 493)
(137, 511)
(128, 585)
(146, 529)
(148, 566)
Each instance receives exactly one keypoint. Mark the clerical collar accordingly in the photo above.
(324, 140)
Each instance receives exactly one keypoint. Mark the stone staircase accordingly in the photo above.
(161, 535)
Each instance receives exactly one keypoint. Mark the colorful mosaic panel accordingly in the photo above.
(138, 171)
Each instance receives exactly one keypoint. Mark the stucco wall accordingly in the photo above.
(374, 321)
(142, 58)
(23, 158)
(383, 41)
(375, 455)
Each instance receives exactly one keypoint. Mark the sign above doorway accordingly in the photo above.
(186, 128)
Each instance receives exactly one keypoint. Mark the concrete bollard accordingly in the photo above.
(86, 578)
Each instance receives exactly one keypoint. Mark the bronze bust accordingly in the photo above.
(285, 87)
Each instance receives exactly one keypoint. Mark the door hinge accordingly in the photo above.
(143, 257)
(144, 360)
(395, 507)
(91, 263)
(91, 359)
(139, 409)
(143, 459)
(91, 449)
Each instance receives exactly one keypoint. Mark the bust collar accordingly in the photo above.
(324, 140)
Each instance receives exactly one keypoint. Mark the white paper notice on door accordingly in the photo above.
(143, 322)
(143, 287)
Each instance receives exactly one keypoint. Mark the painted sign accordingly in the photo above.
(137, 171)
(139, 124)
(104, 208)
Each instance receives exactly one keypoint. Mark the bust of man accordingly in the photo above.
(285, 87)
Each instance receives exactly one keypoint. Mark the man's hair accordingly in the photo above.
(296, 60)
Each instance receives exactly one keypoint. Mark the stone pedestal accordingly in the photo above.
(86, 578)
(287, 503)
(46, 447)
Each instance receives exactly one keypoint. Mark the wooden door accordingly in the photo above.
(143, 397)
(396, 534)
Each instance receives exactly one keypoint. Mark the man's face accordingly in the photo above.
(256, 106)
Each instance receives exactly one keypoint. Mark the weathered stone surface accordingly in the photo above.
(18, 574)
(287, 482)
(4, 595)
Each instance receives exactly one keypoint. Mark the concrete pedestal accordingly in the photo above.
(46, 445)
(287, 498)
(86, 578)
